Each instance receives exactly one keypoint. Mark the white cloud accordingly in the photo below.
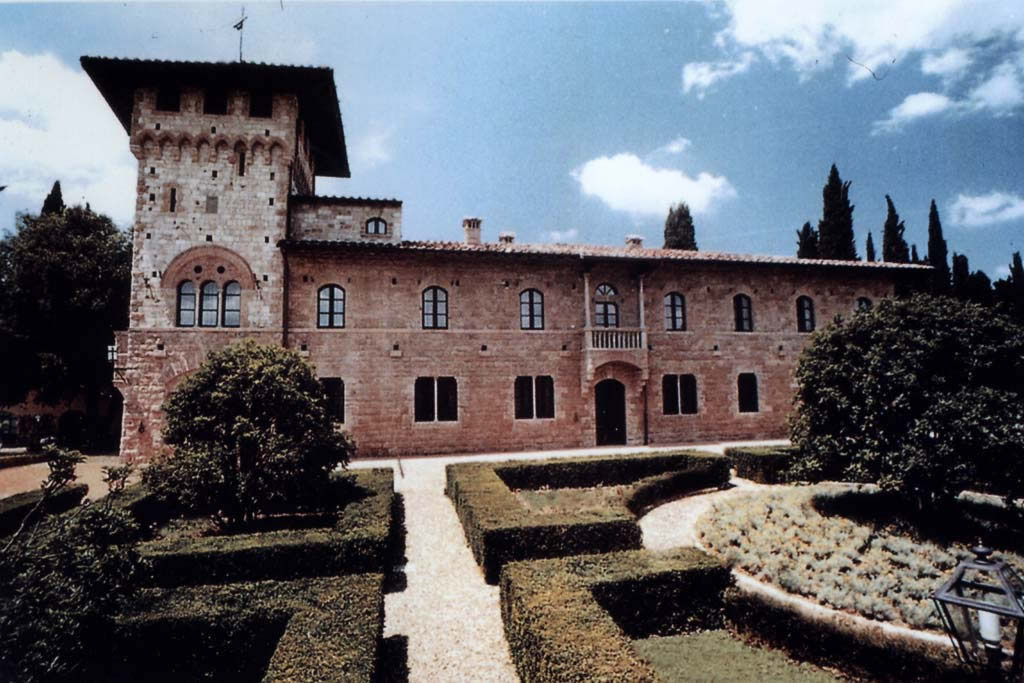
(374, 148)
(950, 64)
(1002, 91)
(700, 76)
(980, 210)
(54, 125)
(677, 146)
(563, 236)
(913, 107)
(625, 183)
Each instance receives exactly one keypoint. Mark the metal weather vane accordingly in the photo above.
(240, 27)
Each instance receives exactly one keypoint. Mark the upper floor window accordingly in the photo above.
(531, 310)
(241, 162)
(864, 304)
(186, 309)
(168, 99)
(334, 389)
(747, 387)
(261, 105)
(436, 399)
(679, 395)
(535, 397)
(172, 204)
(606, 290)
(376, 226)
(804, 314)
(435, 309)
(231, 311)
(208, 300)
(606, 313)
(744, 313)
(215, 102)
(675, 312)
(330, 306)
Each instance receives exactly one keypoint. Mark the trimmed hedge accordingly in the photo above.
(358, 541)
(866, 652)
(499, 529)
(571, 619)
(323, 629)
(763, 464)
(14, 508)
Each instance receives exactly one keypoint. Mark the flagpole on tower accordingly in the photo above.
(240, 27)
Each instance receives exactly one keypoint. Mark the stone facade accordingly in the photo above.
(227, 200)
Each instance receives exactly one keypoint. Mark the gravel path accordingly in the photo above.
(29, 477)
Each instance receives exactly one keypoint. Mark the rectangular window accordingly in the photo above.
(436, 399)
(687, 394)
(261, 105)
(535, 397)
(241, 163)
(447, 399)
(211, 204)
(174, 200)
(670, 394)
(424, 408)
(679, 395)
(168, 99)
(215, 102)
(334, 387)
(747, 385)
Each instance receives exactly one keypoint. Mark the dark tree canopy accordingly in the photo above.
(870, 248)
(914, 258)
(894, 247)
(679, 233)
(1009, 291)
(54, 202)
(835, 230)
(64, 287)
(968, 286)
(807, 242)
(937, 254)
(251, 431)
(923, 395)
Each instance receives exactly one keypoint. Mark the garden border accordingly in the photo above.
(14, 509)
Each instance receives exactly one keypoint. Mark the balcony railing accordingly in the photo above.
(616, 338)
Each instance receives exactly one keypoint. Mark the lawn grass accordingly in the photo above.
(584, 502)
(717, 655)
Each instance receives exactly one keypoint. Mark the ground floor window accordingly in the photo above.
(679, 394)
(334, 387)
(747, 385)
(436, 399)
(535, 397)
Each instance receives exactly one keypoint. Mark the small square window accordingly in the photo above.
(211, 204)
(271, 201)
(152, 170)
(271, 175)
(214, 174)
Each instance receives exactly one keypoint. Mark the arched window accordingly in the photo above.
(231, 310)
(376, 226)
(330, 303)
(606, 313)
(186, 316)
(864, 304)
(435, 309)
(805, 314)
(744, 313)
(531, 310)
(675, 312)
(208, 300)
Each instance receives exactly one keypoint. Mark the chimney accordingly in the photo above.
(472, 228)
(634, 241)
(506, 237)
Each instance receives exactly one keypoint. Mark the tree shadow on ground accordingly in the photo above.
(393, 666)
(395, 581)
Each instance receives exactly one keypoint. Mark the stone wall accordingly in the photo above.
(344, 219)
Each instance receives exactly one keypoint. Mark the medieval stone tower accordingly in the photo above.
(221, 147)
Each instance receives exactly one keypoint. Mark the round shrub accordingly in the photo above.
(924, 396)
(251, 435)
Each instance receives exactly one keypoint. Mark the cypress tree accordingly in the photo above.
(937, 255)
(679, 233)
(835, 230)
(961, 273)
(807, 242)
(54, 202)
(870, 247)
(894, 247)
(913, 254)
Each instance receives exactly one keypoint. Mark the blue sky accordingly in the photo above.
(583, 122)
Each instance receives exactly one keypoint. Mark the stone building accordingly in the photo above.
(423, 346)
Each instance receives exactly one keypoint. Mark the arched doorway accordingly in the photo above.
(610, 412)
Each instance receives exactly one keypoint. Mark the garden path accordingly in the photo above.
(29, 477)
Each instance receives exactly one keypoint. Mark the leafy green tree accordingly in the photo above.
(64, 287)
(62, 577)
(54, 202)
(894, 247)
(924, 396)
(679, 233)
(807, 242)
(937, 254)
(870, 248)
(835, 229)
(251, 433)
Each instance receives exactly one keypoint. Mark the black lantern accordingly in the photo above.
(982, 609)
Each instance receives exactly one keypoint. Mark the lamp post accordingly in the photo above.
(983, 597)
